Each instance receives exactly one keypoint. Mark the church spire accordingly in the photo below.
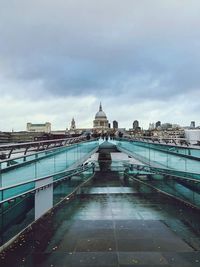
(100, 107)
(73, 124)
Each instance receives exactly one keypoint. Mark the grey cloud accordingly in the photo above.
(141, 50)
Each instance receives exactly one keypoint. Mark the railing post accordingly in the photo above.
(1, 184)
(35, 167)
(1, 215)
(54, 163)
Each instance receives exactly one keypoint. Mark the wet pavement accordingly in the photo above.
(111, 222)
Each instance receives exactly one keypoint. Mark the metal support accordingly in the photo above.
(26, 150)
(0, 177)
(38, 147)
(9, 155)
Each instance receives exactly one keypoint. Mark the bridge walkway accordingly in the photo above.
(113, 221)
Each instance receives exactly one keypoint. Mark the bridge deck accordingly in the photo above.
(112, 222)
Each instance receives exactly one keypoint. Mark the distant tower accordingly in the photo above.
(192, 124)
(115, 125)
(158, 124)
(151, 126)
(73, 125)
(135, 125)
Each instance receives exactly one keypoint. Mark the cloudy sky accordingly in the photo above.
(60, 58)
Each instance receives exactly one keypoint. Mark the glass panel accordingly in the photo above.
(155, 157)
(55, 162)
(11, 192)
(18, 213)
(188, 191)
(15, 216)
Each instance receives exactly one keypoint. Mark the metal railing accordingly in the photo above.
(186, 159)
(9, 149)
(137, 169)
(173, 141)
(47, 152)
(182, 186)
(9, 193)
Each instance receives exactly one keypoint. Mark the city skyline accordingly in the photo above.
(89, 124)
(59, 59)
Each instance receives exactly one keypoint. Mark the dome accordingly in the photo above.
(100, 114)
(100, 121)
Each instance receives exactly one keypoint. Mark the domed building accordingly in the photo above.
(100, 121)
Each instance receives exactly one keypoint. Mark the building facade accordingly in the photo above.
(135, 125)
(115, 125)
(192, 136)
(192, 124)
(39, 128)
(158, 124)
(4, 137)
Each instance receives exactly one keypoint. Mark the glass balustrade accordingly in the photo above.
(59, 160)
(151, 156)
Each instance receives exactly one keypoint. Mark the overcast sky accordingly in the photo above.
(60, 58)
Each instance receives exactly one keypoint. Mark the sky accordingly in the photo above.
(60, 58)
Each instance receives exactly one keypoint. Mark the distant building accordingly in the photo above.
(4, 137)
(73, 125)
(151, 126)
(100, 121)
(166, 126)
(135, 125)
(169, 133)
(45, 128)
(115, 125)
(192, 135)
(24, 136)
(192, 124)
(158, 124)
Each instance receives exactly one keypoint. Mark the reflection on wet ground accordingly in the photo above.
(111, 222)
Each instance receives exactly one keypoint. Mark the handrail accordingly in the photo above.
(169, 151)
(147, 139)
(36, 179)
(40, 152)
(71, 173)
(37, 144)
(164, 171)
(186, 202)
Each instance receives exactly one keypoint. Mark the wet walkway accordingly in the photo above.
(111, 223)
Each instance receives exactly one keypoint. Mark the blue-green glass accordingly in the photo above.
(155, 157)
(54, 162)
(20, 189)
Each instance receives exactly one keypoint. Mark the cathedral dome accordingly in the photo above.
(100, 121)
(100, 114)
